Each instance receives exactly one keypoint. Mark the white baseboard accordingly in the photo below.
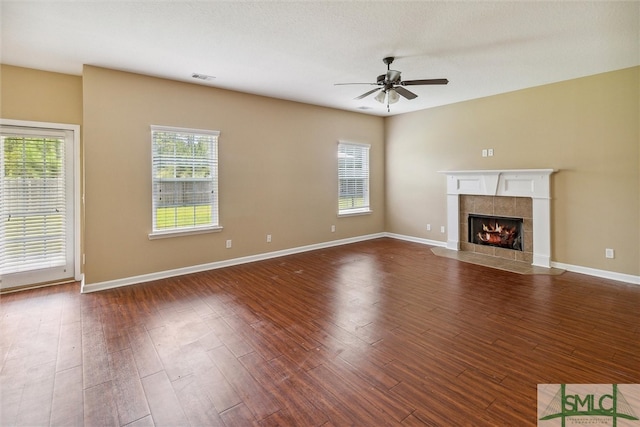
(612, 275)
(126, 281)
(417, 240)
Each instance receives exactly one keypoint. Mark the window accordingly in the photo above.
(37, 202)
(353, 178)
(185, 181)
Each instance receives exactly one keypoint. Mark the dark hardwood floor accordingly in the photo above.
(375, 333)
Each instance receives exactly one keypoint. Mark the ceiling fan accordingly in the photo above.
(391, 87)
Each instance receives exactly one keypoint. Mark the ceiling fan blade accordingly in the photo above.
(425, 82)
(364, 95)
(393, 76)
(342, 84)
(404, 92)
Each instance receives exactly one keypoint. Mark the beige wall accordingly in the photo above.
(278, 172)
(586, 128)
(40, 96)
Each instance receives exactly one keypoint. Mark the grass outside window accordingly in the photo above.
(182, 216)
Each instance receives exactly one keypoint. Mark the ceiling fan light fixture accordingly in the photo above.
(380, 96)
(393, 96)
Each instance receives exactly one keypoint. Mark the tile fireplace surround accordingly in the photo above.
(502, 207)
(531, 183)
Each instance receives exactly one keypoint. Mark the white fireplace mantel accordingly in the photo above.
(534, 183)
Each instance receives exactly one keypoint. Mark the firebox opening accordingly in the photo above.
(502, 232)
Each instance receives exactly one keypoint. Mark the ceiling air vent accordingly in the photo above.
(202, 76)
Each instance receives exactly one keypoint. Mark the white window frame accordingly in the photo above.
(78, 198)
(364, 174)
(214, 225)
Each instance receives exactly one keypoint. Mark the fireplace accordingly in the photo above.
(502, 217)
(501, 232)
(489, 191)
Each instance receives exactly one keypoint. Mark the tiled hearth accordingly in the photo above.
(519, 267)
(505, 206)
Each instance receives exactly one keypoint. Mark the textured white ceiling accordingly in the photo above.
(297, 50)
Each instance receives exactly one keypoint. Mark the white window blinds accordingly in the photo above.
(33, 200)
(353, 178)
(185, 178)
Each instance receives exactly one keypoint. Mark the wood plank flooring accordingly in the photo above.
(370, 334)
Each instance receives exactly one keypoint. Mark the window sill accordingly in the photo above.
(186, 232)
(355, 212)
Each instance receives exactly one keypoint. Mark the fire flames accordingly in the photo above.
(499, 235)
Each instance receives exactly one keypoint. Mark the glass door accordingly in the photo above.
(36, 205)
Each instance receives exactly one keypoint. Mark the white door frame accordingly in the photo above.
(77, 196)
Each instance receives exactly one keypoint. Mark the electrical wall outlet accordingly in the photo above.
(490, 152)
(442, 228)
(228, 244)
(268, 238)
(428, 227)
(333, 228)
(609, 253)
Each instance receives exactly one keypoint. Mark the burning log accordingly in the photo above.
(498, 235)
